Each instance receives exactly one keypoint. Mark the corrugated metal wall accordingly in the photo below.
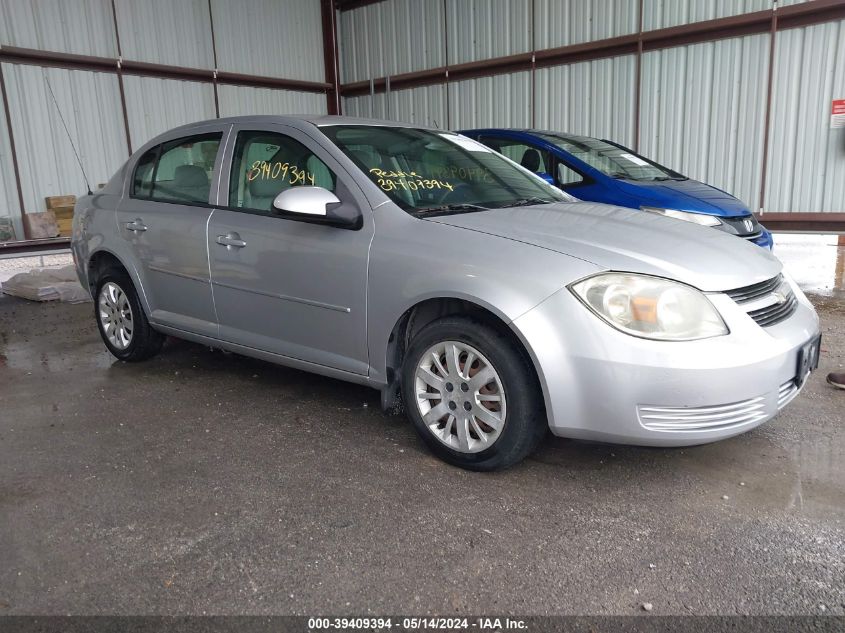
(594, 98)
(703, 112)
(165, 32)
(9, 204)
(806, 166)
(565, 22)
(659, 14)
(236, 100)
(88, 101)
(83, 27)
(702, 106)
(481, 29)
(270, 38)
(369, 37)
(502, 100)
(155, 105)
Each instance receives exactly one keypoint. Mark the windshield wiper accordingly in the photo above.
(463, 206)
(525, 202)
(669, 178)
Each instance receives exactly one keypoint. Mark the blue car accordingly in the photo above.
(604, 171)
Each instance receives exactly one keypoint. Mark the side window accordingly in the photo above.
(536, 160)
(184, 168)
(567, 176)
(266, 163)
(142, 181)
(177, 171)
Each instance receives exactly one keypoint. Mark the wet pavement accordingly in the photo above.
(203, 482)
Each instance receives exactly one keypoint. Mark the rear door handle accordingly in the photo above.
(231, 240)
(136, 225)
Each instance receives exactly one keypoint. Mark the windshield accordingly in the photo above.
(427, 172)
(613, 161)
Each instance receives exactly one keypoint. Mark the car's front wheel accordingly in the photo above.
(121, 319)
(472, 394)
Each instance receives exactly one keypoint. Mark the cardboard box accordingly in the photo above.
(54, 202)
(7, 230)
(63, 213)
(65, 227)
(41, 225)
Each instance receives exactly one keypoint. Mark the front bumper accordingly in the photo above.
(601, 384)
(764, 239)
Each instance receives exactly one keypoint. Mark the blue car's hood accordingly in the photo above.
(685, 195)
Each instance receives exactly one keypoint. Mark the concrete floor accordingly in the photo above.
(202, 482)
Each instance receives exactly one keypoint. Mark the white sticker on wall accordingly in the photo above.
(634, 159)
(466, 143)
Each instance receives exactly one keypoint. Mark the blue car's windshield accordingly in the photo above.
(610, 159)
(425, 171)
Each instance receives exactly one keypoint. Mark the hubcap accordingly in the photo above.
(460, 396)
(115, 315)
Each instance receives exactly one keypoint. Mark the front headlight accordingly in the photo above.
(686, 216)
(650, 307)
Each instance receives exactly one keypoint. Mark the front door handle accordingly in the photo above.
(136, 225)
(231, 240)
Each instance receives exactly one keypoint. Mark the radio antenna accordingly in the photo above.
(64, 125)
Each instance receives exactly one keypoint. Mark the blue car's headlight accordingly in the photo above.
(686, 216)
(650, 307)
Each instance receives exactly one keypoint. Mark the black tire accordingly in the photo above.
(525, 422)
(145, 341)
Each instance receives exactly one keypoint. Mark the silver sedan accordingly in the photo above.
(425, 265)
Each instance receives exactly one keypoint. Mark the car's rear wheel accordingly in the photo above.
(472, 395)
(121, 320)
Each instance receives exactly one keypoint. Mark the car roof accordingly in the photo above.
(318, 120)
(535, 132)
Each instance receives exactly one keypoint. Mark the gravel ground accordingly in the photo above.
(203, 482)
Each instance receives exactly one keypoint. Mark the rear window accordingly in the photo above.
(178, 171)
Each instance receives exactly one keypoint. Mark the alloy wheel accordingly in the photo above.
(460, 396)
(115, 315)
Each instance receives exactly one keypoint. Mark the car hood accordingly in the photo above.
(687, 195)
(620, 239)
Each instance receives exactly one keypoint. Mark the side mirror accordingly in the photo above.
(317, 206)
(547, 177)
(305, 200)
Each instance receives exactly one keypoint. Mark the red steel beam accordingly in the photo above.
(330, 55)
(804, 222)
(53, 59)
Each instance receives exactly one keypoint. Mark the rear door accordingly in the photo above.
(283, 285)
(164, 219)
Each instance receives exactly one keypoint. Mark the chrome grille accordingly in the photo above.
(786, 393)
(753, 299)
(712, 418)
(774, 313)
(756, 291)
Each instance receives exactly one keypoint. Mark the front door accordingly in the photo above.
(164, 219)
(281, 285)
